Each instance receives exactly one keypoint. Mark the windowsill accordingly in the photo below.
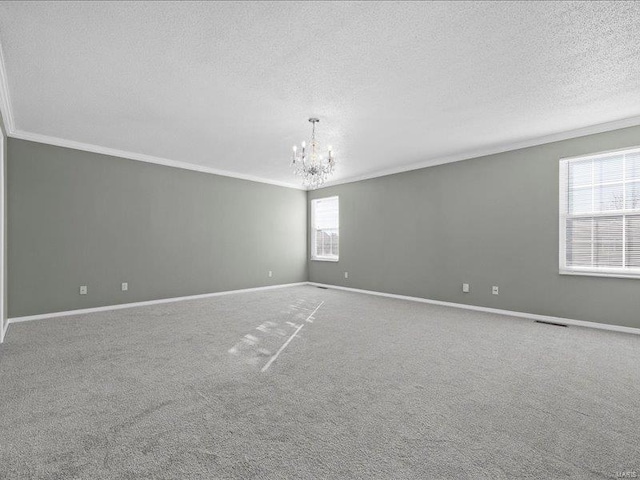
(324, 259)
(591, 273)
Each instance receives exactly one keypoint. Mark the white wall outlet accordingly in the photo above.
(495, 290)
(270, 274)
(346, 274)
(125, 286)
(83, 290)
(465, 287)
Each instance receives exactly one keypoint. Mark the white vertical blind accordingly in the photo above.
(325, 228)
(600, 214)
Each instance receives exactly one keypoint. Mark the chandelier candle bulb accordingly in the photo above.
(313, 168)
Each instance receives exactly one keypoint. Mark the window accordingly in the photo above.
(600, 214)
(325, 234)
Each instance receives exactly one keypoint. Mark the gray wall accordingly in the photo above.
(485, 221)
(78, 218)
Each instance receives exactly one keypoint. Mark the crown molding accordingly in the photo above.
(141, 157)
(483, 152)
(13, 132)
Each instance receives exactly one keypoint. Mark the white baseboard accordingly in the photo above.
(3, 330)
(121, 306)
(533, 316)
(510, 313)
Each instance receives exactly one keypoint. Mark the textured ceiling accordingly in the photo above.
(230, 85)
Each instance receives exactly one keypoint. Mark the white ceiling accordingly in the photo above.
(229, 86)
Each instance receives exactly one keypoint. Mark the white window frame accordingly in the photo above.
(323, 258)
(563, 204)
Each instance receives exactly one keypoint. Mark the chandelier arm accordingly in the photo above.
(309, 163)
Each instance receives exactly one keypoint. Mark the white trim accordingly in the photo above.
(483, 152)
(12, 131)
(594, 273)
(3, 260)
(146, 303)
(563, 179)
(313, 230)
(7, 119)
(604, 153)
(477, 153)
(5, 98)
(564, 215)
(7, 115)
(510, 313)
(141, 157)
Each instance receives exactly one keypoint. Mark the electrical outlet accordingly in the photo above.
(270, 274)
(83, 290)
(495, 290)
(125, 286)
(346, 274)
(465, 287)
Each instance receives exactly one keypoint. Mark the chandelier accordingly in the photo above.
(310, 164)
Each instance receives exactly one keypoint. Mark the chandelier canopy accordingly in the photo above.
(309, 162)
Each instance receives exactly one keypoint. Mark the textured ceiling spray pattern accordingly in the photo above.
(230, 85)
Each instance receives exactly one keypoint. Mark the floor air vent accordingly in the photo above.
(551, 323)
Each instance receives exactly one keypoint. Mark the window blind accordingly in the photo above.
(600, 214)
(325, 229)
